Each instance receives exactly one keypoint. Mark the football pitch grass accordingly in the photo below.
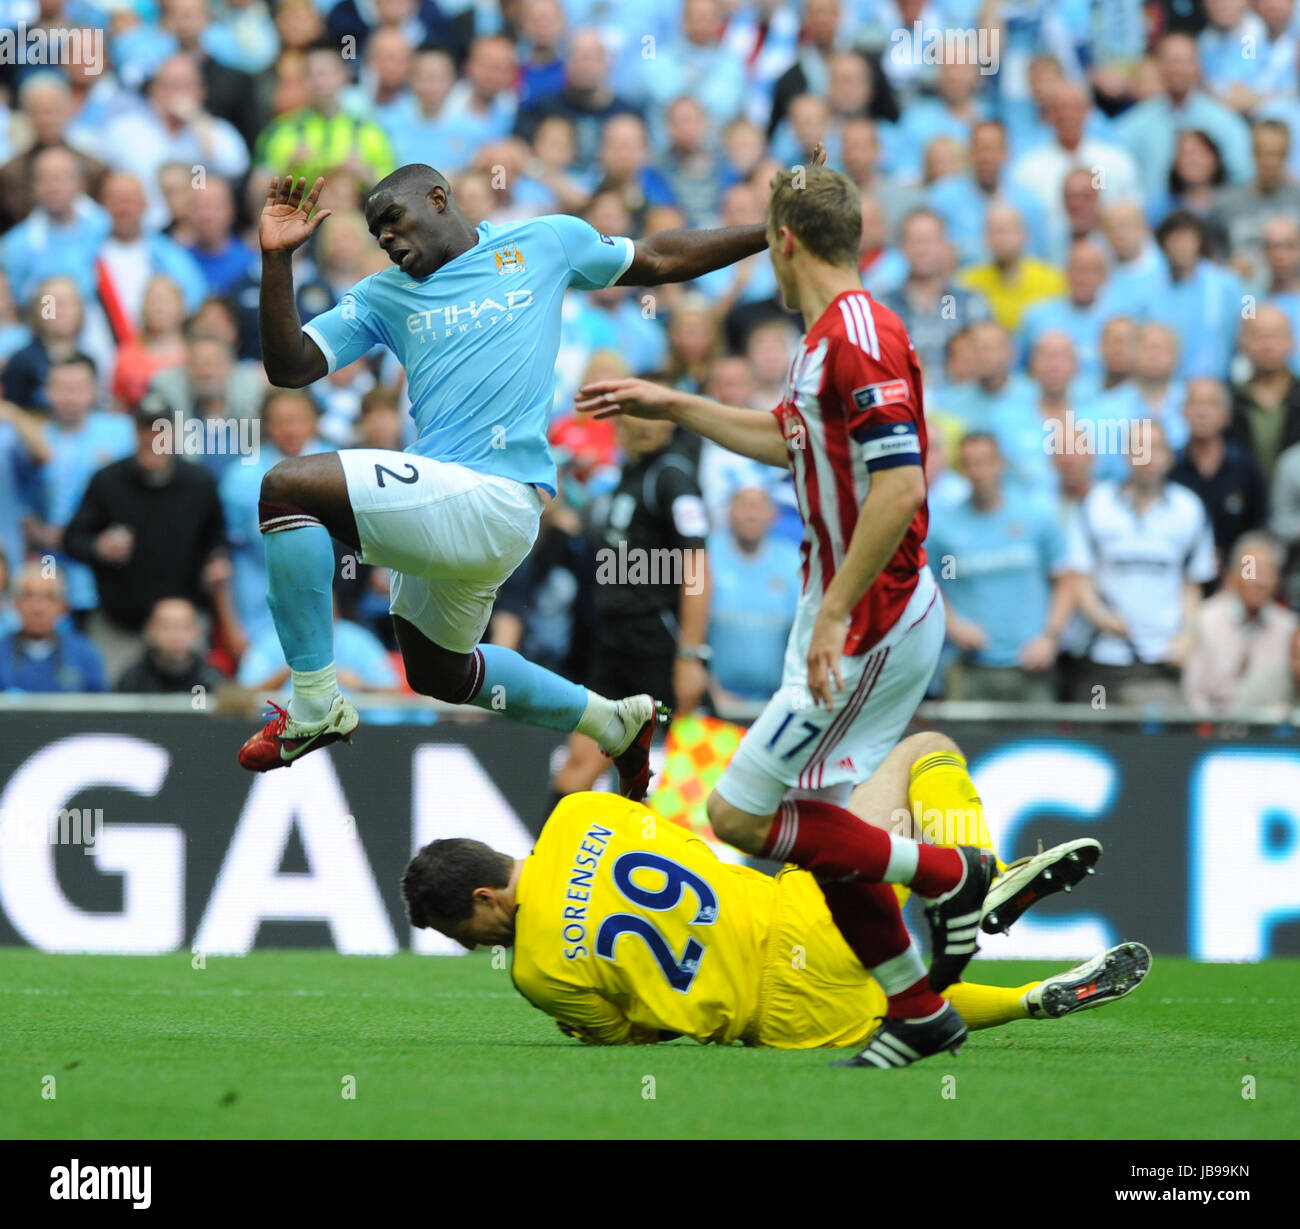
(270, 1045)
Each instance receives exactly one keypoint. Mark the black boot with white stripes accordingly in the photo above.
(899, 1043)
(955, 918)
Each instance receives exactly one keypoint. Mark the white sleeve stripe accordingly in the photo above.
(331, 359)
(868, 326)
(864, 306)
(850, 324)
(627, 261)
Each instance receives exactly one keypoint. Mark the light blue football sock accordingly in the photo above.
(522, 691)
(300, 572)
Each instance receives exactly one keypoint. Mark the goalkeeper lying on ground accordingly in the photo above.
(627, 928)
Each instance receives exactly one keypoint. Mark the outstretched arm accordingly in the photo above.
(752, 433)
(680, 255)
(291, 358)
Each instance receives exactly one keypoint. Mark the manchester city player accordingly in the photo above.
(473, 314)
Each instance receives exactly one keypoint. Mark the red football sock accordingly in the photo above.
(870, 919)
(834, 843)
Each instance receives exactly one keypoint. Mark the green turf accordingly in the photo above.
(145, 1047)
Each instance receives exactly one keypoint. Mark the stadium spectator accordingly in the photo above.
(1195, 181)
(1083, 212)
(689, 166)
(1001, 402)
(58, 319)
(174, 128)
(1149, 131)
(385, 78)
(1138, 269)
(1080, 314)
(129, 258)
(541, 30)
(244, 36)
(757, 577)
(963, 200)
(1116, 360)
(81, 439)
(160, 343)
(1227, 479)
(222, 255)
(10, 621)
(1266, 405)
(625, 161)
(149, 526)
(417, 122)
(1141, 550)
(419, 21)
(211, 385)
(1282, 258)
(1154, 392)
(1011, 281)
(1242, 209)
(63, 232)
(46, 101)
(1001, 564)
(14, 334)
(321, 137)
(1042, 171)
(483, 104)
(587, 100)
(810, 72)
(930, 306)
(1240, 664)
(46, 654)
(694, 65)
(230, 93)
(289, 425)
(173, 660)
(24, 448)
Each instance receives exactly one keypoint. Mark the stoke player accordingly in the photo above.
(473, 314)
(851, 427)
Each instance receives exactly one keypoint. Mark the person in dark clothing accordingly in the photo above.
(547, 609)
(586, 100)
(173, 660)
(652, 587)
(150, 526)
(1266, 407)
(1228, 479)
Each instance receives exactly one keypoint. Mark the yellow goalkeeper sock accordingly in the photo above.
(988, 1006)
(945, 807)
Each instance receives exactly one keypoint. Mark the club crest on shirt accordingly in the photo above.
(509, 260)
(886, 393)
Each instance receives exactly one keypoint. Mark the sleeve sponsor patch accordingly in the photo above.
(888, 392)
(690, 517)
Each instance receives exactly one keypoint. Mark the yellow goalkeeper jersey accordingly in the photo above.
(628, 925)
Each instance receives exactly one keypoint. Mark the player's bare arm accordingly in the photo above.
(291, 358)
(894, 499)
(680, 255)
(748, 432)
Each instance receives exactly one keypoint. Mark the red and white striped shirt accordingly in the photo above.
(852, 406)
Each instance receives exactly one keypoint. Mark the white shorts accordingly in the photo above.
(450, 535)
(797, 746)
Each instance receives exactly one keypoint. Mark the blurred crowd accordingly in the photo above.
(1093, 237)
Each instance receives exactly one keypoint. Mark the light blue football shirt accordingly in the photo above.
(478, 338)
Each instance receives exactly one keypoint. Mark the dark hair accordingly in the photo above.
(1177, 184)
(980, 437)
(1182, 219)
(77, 360)
(438, 884)
(415, 178)
(273, 395)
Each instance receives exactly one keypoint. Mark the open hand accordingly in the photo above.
(639, 398)
(287, 219)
